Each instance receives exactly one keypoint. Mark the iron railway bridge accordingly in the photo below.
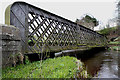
(42, 31)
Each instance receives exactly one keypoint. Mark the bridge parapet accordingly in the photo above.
(42, 31)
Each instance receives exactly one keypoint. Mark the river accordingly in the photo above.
(102, 64)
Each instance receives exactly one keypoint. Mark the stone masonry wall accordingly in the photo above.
(11, 45)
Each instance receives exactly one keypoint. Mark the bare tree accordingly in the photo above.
(118, 21)
(111, 22)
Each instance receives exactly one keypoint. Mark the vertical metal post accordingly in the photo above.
(26, 30)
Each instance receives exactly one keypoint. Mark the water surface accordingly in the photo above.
(103, 64)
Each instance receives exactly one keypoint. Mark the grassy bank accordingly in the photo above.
(115, 48)
(61, 67)
(115, 45)
(107, 31)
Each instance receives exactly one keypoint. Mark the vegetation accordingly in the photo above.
(117, 42)
(91, 19)
(116, 48)
(61, 67)
(88, 21)
(118, 17)
(107, 31)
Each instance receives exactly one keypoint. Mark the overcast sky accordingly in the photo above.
(70, 9)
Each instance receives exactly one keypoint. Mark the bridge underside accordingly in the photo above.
(42, 31)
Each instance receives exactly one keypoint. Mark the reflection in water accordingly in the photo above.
(103, 65)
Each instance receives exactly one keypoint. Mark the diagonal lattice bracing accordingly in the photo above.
(43, 31)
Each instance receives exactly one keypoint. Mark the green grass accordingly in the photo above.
(61, 67)
(116, 48)
(106, 31)
(116, 42)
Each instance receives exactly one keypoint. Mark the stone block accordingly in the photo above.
(10, 42)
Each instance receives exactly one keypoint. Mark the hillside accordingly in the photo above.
(112, 37)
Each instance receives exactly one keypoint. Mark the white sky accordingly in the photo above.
(70, 9)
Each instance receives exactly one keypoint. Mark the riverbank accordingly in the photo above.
(115, 44)
(112, 37)
(60, 67)
(115, 48)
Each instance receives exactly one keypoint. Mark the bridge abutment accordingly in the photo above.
(11, 45)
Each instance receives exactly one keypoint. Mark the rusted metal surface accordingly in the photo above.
(42, 31)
